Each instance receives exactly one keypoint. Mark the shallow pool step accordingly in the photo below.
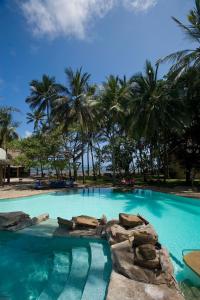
(58, 276)
(78, 275)
(96, 284)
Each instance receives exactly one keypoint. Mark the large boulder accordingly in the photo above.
(117, 234)
(145, 235)
(123, 261)
(148, 251)
(85, 222)
(122, 288)
(13, 219)
(152, 264)
(64, 223)
(129, 221)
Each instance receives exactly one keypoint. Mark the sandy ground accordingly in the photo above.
(26, 188)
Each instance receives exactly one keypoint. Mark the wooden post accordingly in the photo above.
(8, 174)
(17, 172)
(1, 175)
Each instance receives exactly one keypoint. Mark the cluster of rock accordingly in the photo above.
(137, 256)
(13, 221)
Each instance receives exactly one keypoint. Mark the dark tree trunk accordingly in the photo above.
(41, 170)
(88, 160)
(1, 175)
(93, 167)
(113, 165)
(188, 176)
(74, 169)
(151, 160)
(70, 171)
(8, 174)
(82, 162)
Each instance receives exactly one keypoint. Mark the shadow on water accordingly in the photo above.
(141, 199)
(128, 200)
(184, 207)
(155, 202)
(176, 260)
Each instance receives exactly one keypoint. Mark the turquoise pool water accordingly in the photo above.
(176, 219)
(43, 268)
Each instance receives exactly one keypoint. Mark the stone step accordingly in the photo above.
(96, 284)
(58, 277)
(76, 281)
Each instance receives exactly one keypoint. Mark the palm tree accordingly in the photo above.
(146, 92)
(184, 59)
(154, 111)
(7, 132)
(37, 117)
(76, 107)
(7, 126)
(112, 105)
(43, 93)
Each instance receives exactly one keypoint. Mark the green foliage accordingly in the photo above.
(137, 125)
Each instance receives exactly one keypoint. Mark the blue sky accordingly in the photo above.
(103, 36)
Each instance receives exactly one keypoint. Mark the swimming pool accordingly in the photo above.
(35, 267)
(176, 219)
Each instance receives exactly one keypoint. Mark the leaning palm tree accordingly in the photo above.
(184, 59)
(43, 93)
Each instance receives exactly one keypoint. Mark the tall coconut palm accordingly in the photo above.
(112, 105)
(154, 111)
(36, 117)
(43, 93)
(76, 106)
(184, 59)
(146, 93)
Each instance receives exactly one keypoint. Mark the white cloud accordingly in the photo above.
(139, 5)
(53, 18)
(28, 133)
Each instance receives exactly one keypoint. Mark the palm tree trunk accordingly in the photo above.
(48, 114)
(74, 169)
(92, 156)
(82, 160)
(8, 174)
(70, 171)
(1, 175)
(88, 160)
(113, 163)
(151, 159)
(82, 165)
